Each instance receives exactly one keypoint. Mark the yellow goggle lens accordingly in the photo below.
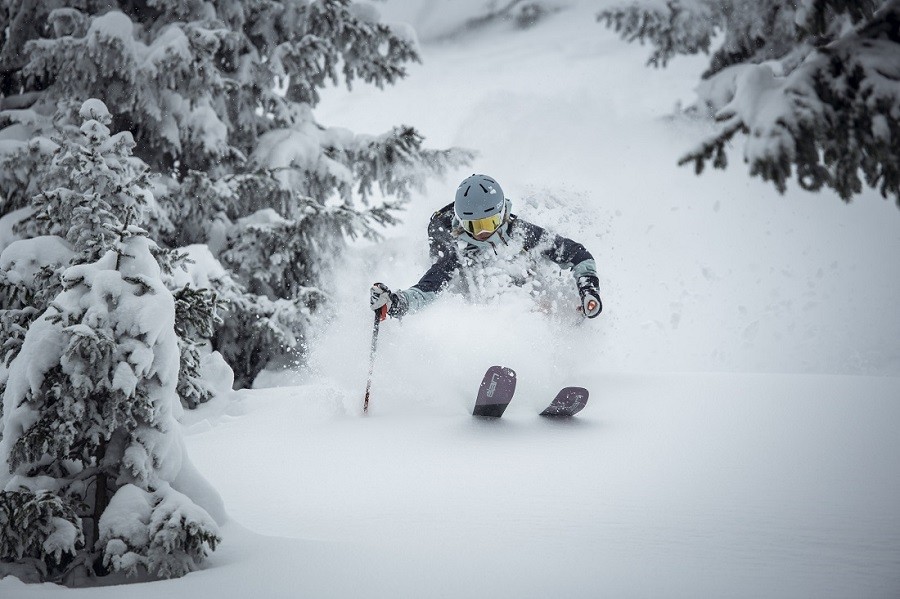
(488, 224)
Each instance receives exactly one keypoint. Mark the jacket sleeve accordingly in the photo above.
(440, 238)
(562, 250)
(445, 261)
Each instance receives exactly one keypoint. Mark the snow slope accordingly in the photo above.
(740, 440)
(667, 486)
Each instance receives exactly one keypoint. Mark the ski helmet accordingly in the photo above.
(480, 206)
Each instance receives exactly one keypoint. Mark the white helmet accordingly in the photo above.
(480, 206)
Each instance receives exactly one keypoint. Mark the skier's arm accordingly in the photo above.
(432, 282)
(445, 264)
(440, 237)
(572, 255)
(562, 250)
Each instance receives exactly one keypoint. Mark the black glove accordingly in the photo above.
(389, 303)
(589, 290)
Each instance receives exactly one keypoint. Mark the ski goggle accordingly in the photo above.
(483, 228)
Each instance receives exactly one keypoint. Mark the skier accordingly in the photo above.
(467, 231)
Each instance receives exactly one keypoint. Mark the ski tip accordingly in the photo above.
(567, 403)
(503, 369)
(495, 392)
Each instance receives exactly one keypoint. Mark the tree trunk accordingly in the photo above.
(101, 501)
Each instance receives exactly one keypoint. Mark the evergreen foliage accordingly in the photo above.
(815, 85)
(92, 188)
(40, 529)
(91, 396)
(219, 99)
(172, 538)
(30, 277)
(197, 312)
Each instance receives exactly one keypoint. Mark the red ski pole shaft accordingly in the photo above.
(378, 317)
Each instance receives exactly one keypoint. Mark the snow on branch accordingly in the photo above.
(816, 90)
(833, 120)
(672, 27)
(398, 164)
(319, 162)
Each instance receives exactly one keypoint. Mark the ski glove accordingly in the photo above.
(589, 290)
(387, 302)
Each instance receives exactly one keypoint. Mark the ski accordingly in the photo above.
(567, 402)
(496, 391)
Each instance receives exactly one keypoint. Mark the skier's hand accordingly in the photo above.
(388, 303)
(380, 296)
(589, 290)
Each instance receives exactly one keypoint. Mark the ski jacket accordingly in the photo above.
(449, 244)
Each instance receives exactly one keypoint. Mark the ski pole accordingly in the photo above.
(378, 317)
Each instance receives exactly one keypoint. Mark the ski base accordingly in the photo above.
(567, 402)
(495, 393)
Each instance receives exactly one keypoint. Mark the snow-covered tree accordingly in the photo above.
(89, 428)
(92, 186)
(219, 97)
(30, 277)
(814, 85)
(96, 477)
(81, 168)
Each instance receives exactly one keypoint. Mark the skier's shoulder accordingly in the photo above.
(442, 217)
(440, 238)
(535, 236)
(519, 223)
(531, 232)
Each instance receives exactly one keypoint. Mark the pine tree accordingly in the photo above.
(90, 439)
(81, 167)
(219, 98)
(814, 85)
(197, 311)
